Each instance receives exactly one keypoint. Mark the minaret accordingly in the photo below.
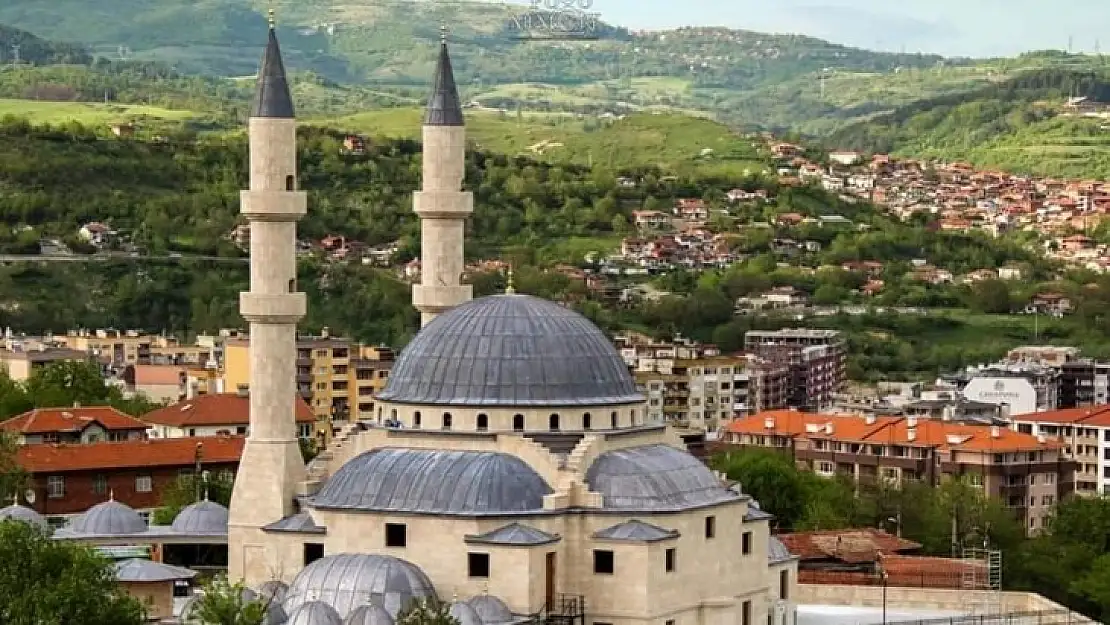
(272, 466)
(441, 205)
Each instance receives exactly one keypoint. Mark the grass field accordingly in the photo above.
(86, 113)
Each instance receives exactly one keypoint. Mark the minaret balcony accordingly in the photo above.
(273, 205)
(443, 204)
(273, 307)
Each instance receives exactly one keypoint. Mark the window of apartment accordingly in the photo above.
(100, 484)
(518, 423)
(447, 420)
(825, 467)
(784, 585)
(710, 527)
(477, 565)
(746, 543)
(322, 386)
(890, 474)
(670, 557)
(313, 552)
(603, 562)
(975, 479)
(1048, 500)
(669, 622)
(586, 421)
(746, 613)
(192, 432)
(1049, 478)
(1032, 479)
(1032, 522)
(396, 535)
(56, 486)
(143, 484)
(483, 422)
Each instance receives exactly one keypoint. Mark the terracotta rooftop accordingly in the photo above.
(46, 420)
(216, 409)
(1098, 416)
(163, 452)
(852, 545)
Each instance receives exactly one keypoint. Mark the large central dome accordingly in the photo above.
(510, 350)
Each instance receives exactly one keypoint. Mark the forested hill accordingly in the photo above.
(37, 51)
(1021, 124)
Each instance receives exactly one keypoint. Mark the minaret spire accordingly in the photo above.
(272, 98)
(441, 204)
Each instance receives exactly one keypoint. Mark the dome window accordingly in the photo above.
(447, 420)
(586, 421)
(416, 419)
(613, 420)
(483, 422)
(632, 417)
(553, 422)
(518, 423)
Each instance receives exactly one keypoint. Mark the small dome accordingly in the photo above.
(510, 350)
(202, 517)
(369, 615)
(655, 478)
(110, 518)
(349, 580)
(16, 512)
(435, 481)
(462, 612)
(314, 613)
(273, 591)
(491, 609)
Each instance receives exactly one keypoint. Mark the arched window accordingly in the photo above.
(613, 420)
(553, 422)
(447, 420)
(416, 419)
(586, 421)
(518, 423)
(290, 183)
(483, 423)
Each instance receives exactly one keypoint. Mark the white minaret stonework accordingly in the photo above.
(441, 204)
(272, 467)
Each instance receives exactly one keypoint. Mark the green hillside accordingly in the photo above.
(35, 50)
(1020, 124)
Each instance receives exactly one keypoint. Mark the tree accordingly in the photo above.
(224, 603)
(184, 491)
(426, 611)
(46, 581)
(13, 479)
(771, 479)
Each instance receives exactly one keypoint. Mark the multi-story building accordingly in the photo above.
(700, 393)
(131, 347)
(1084, 435)
(1029, 473)
(79, 424)
(20, 360)
(216, 414)
(817, 361)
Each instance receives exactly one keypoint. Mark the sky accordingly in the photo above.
(950, 27)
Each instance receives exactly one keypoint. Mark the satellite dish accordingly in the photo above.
(29, 495)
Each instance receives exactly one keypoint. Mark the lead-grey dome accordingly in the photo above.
(655, 478)
(462, 612)
(434, 481)
(491, 609)
(369, 615)
(510, 350)
(202, 517)
(348, 580)
(110, 518)
(314, 613)
(16, 512)
(273, 591)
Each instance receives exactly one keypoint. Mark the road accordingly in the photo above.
(92, 258)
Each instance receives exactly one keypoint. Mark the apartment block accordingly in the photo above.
(817, 360)
(131, 347)
(20, 361)
(1029, 473)
(1084, 436)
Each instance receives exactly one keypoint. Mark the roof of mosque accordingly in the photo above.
(655, 478)
(510, 350)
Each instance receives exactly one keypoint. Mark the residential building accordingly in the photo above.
(216, 414)
(76, 425)
(956, 409)
(21, 361)
(132, 347)
(1029, 473)
(699, 393)
(69, 479)
(1017, 388)
(1084, 435)
(158, 383)
(817, 360)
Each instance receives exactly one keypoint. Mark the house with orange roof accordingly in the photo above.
(158, 383)
(1028, 472)
(1084, 434)
(215, 414)
(69, 479)
(75, 425)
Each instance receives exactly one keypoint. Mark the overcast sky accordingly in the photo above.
(949, 27)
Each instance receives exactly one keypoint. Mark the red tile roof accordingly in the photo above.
(1098, 416)
(851, 545)
(906, 572)
(219, 409)
(162, 452)
(46, 420)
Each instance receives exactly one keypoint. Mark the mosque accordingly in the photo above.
(510, 471)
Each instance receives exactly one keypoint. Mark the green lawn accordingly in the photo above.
(86, 113)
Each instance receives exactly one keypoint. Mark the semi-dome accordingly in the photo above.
(369, 615)
(16, 512)
(510, 350)
(314, 613)
(202, 517)
(491, 609)
(655, 478)
(348, 580)
(110, 518)
(434, 481)
(462, 612)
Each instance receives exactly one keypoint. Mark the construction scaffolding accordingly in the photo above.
(982, 573)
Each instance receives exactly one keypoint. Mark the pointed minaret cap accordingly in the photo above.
(272, 98)
(443, 105)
